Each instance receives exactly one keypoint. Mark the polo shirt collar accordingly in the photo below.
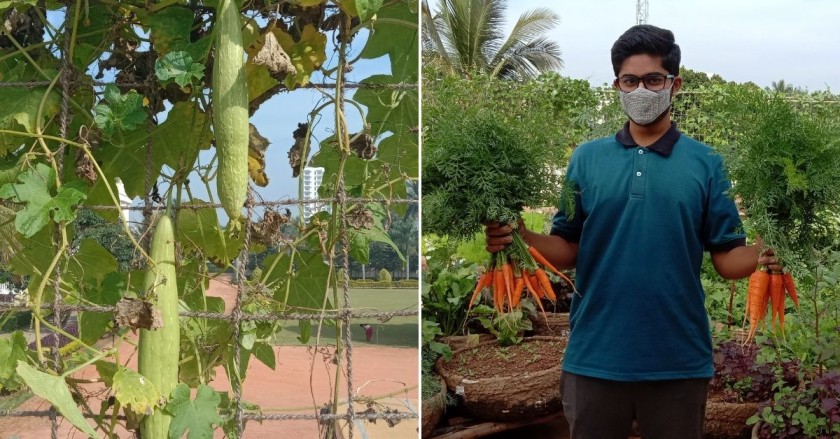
(664, 145)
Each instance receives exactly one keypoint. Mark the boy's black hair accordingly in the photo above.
(650, 40)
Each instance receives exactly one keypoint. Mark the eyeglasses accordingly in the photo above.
(653, 81)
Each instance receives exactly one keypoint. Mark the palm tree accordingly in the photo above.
(403, 231)
(467, 36)
(781, 86)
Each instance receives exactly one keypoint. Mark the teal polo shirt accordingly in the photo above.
(643, 218)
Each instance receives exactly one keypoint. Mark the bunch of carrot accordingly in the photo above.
(768, 288)
(515, 272)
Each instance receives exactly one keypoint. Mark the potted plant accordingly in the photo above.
(509, 378)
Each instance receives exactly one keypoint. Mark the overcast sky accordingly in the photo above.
(742, 40)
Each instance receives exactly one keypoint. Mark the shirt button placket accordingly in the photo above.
(637, 187)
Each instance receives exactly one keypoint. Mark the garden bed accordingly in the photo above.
(507, 383)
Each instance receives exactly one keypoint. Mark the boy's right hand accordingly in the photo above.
(497, 236)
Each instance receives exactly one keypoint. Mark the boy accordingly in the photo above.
(648, 202)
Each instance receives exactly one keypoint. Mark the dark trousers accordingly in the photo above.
(604, 409)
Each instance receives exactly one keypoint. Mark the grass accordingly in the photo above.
(396, 332)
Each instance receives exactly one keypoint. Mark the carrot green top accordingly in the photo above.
(643, 217)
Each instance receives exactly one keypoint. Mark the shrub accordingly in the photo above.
(384, 276)
(406, 283)
(810, 413)
(739, 378)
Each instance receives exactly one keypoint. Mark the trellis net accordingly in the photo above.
(304, 277)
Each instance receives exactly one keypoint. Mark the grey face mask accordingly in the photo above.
(644, 106)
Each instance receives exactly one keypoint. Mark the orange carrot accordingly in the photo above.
(499, 289)
(534, 294)
(790, 287)
(545, 283)
(542, 260)
(507, 271)
(531, 280)
(483, 281)
(777, 298)
(756, 300)
(518, 286)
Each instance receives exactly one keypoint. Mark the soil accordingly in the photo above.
(530, 356)
(302, 382)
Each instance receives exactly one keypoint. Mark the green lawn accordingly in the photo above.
(396, 332)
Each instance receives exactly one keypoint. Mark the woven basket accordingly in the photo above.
(728, 420)
(551, 325)
(457, 342)
(432, 411)
(509, 398)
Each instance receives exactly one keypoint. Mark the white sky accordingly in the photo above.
(742, 40)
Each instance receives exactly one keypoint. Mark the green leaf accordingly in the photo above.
(93, 325)
(363, 178)
(398, 38)
(135, 391)
(54, 389)
(394, 112)
(185, 132)
(122, 112)
(92, 262)
(305, 327)
(91, 34)
(265, 353)
(198, 416)
(308, 53)
(199, 231)
(8, 4)
(34, 256)
(367, 8)
(19, 112)
(259, 80)
(106, 371)
(180, 67)
(307, 284)
(34, 191)
(361, 239)
(12, 350)
(170, 28)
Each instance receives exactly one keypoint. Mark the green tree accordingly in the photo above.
(403, 232)
(467, 36)
(783, 87)
(694, 79)
(109, 235)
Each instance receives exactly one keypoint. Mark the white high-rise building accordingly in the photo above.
(311, 181)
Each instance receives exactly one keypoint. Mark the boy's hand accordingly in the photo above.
(497, 236)
(768, 258)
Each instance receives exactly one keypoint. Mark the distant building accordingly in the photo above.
(312, 178)
(125, 200)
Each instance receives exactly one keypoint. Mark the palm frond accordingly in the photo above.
(526, 61)
(435, 37)
(531, 25)
(468, 35)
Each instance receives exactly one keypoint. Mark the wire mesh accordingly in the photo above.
(236, 316)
